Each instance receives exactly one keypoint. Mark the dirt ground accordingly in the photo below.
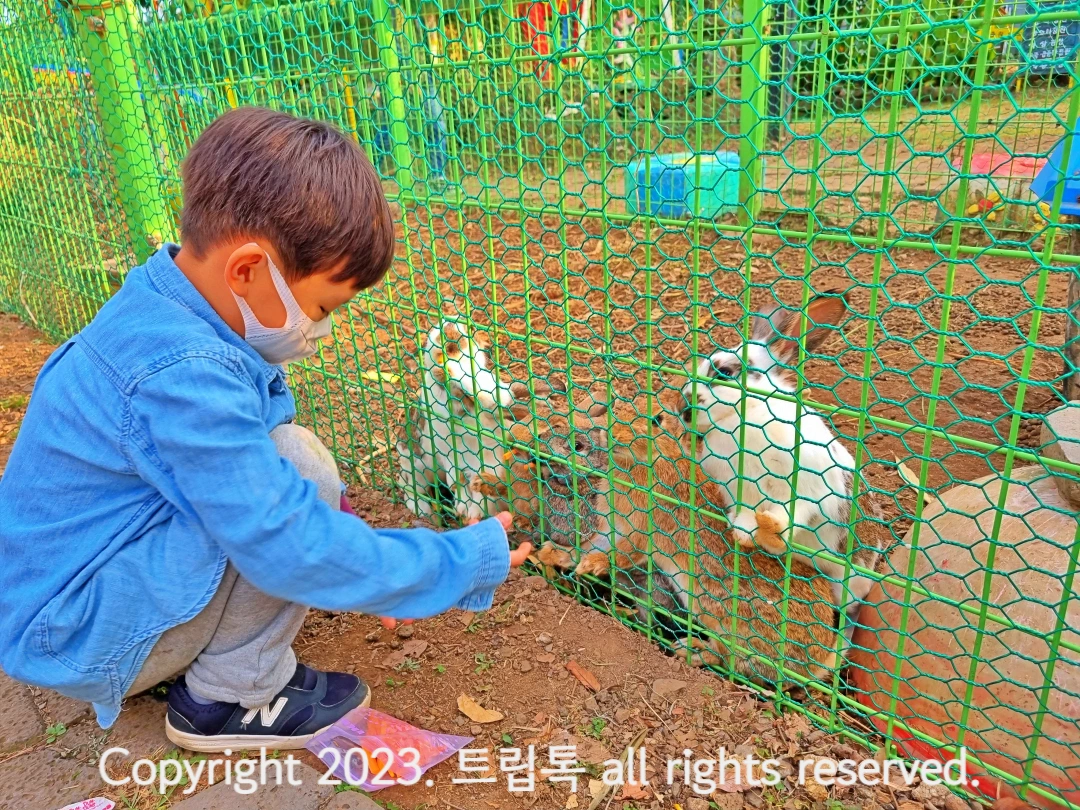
(22, 353)
(516, 659)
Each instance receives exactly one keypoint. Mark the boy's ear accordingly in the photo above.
(242, 265)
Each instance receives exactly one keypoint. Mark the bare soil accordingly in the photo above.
(514, 658)
(605, 301)
(22, 353)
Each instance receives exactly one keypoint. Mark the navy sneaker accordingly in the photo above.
(311, 702)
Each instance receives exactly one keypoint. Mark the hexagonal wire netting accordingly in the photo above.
(858, 502)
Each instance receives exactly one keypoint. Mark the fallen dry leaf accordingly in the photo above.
(596, 788)
(545, 658)
(475, 712)
(817, 791)
(727, 802)
(910, 806)
(739, 781)
(466, 617)
(571, 801)
(912, 480)
(583, 675)
(632, 790)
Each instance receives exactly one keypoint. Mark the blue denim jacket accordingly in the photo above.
(144, 462)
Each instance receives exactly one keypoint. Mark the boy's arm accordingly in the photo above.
(196, 434)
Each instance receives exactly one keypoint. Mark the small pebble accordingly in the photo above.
(405, 631)
(476, 731)
(524, 666)
(544, 639)
(622, 715)
(395, 644)
(373, 636)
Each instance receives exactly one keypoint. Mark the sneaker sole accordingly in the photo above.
(204, 744)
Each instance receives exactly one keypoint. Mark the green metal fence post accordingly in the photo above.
(107, 36)
(396, 108)
(752, 111)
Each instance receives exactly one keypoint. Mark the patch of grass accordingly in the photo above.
(708, 691)
(54, 733)
(440, 669)
(14, 402)
(506, 738)
(394, 684)
(596, 728)
(408, 665)
(483, 662)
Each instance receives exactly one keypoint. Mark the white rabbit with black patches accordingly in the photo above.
(823, 499)
(469, 415)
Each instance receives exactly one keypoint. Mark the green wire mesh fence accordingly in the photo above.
(861, 502)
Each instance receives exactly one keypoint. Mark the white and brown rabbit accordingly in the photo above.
(823, 498)
(458, 426)
(633, 502)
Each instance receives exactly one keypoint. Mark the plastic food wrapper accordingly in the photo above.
(371, 750)
(90, 804)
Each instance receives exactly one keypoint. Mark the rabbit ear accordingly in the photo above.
(782, 328)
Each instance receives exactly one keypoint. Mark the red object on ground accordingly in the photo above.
(987, 163)
(346, 507)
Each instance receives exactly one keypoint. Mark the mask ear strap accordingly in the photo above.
(293, 313)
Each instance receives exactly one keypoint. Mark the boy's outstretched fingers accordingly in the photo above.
(520, 554)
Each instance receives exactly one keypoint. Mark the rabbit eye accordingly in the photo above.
(579, 444)
(724, 371)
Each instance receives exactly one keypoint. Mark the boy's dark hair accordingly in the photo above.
(302, 185)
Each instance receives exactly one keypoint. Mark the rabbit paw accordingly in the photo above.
(769, 536)
(595, 563)
(555, 557)
(487, 484)
(467, 510)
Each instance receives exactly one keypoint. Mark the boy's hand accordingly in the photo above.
(517, 557)
(522, 552)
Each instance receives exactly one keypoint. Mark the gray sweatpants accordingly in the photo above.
(238, 649)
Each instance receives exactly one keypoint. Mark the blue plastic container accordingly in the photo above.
(1045, 184)
(672, 184)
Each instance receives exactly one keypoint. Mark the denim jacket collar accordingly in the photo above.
(164, 274)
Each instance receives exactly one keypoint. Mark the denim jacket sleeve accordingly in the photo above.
(195, 433)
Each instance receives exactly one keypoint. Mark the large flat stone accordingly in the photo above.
(351, 800)
(1061, 441)
(21, 719)
(62, 709)
(53, 776)
(140, 728)
(308, 796)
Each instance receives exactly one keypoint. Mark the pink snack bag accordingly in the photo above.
(91, 804)
(371, 750)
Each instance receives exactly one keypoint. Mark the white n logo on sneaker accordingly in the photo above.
(267, 715)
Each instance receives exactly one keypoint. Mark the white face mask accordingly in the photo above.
(297, 339)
